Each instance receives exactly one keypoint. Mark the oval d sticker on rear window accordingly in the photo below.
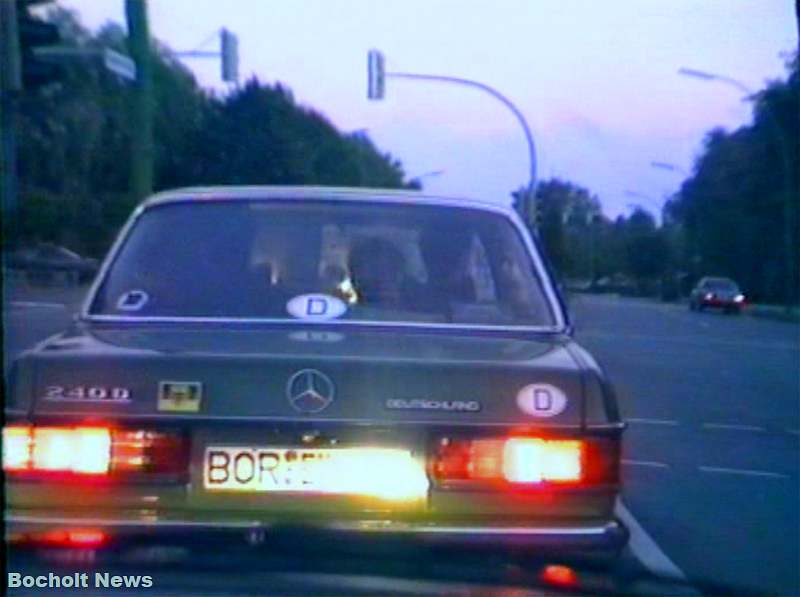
(541, 400)
(316, 307)
(133, 300)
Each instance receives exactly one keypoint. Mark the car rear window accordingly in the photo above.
(721, 285)
(349, 261)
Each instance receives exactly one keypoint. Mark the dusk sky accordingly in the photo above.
(596, 80)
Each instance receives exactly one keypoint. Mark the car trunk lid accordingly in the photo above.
(301, 374)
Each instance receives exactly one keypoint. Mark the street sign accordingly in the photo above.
(376, 75)
(120, 64)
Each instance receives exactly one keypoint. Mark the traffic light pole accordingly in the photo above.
(530, 204)
(8, 113)
(142, 129)
(10, 83)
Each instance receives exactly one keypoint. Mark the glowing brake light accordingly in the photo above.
(71, 538)
(523, 461)
(16, 447)
(527, 460)
(558, 575)
(77, 450)
(92, 451)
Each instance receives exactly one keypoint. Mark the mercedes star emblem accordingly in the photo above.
(309, 391)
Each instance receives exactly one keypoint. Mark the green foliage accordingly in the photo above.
(582, 244)
(75, 143)
(737, 215)
(743, 196)
(646, 248)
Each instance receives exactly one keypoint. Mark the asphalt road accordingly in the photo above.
(712, 453)
(32, 313)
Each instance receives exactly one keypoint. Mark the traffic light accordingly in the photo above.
(230, 56)
(34, 33)
(376, 75)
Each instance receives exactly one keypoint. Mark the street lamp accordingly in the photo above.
(668, 166)
(418, 178)
(788, 232)
(707, 76)
(376, 88)
(430, 174)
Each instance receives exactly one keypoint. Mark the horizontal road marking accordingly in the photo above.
(733, 427)
(645, 463)
(646, 549)
(652, 421)
(742, 471)
(37, 305)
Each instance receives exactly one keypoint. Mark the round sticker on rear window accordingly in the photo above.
(541, 400)
(316, 307)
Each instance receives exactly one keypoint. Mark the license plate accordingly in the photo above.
(386, 473)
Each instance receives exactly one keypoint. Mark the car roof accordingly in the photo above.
(716, 280)
(293, 193)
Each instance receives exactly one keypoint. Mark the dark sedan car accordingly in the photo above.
(367, 363)
(42, 262)
(719, 293)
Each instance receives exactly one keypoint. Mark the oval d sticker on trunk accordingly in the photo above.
(541, 400)
(316, 307)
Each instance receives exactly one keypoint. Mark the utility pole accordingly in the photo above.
(10, 86)
(141, 182)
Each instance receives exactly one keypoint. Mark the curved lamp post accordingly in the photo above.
(376, 79)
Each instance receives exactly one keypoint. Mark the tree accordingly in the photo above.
(646, 248)
(76, 137)
(742, 198)
(566, 215)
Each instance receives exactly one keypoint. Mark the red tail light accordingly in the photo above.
(560, 576)
(71, 538)
(148, 451)
(97, 452)
(525, 461)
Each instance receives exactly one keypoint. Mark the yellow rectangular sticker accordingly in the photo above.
(180, 396)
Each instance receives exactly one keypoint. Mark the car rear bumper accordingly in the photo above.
(721, 303)
(591, 536)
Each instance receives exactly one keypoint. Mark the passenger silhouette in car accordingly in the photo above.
(378, 273)
(446, 254)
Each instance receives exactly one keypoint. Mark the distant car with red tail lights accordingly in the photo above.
(363, 362)
(719, 293)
